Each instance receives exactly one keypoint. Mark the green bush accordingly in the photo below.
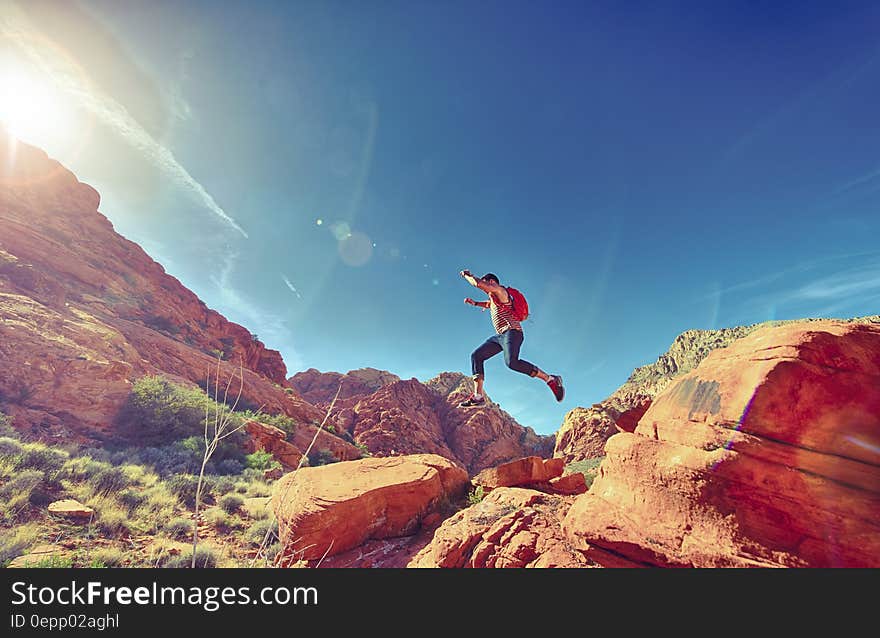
(158, 410)
(280, 421)
(224, 485)
(205, 558)
(13, 542)
(107, 557)
(40, 457)
(81, 468)
(231, 503)
(476, 495)
(131, 499)
(178, 528)
(54, 562)
(9, 447)
(222, 521)
(261, 460)
(184, 487)
(110, 481)
(17, 493)
(257, 532)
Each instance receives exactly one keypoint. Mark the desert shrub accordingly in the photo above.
(206, 558)
(40, 457)
(222, 521)
(13, 542)
(270, 553)
(476, 495)
(158, 410)
(256, 533)
(111, 518)
(159, 506)
(224, 485)
(179, 528)
(241, 487)
(110, 481)
(231, 503)
(9, 447)
(17, 493)
(6, 429)
(81, 468)
(54, 562)
(225, 467)
(107, 557)
(131, 499)
(184, 487)
(280, 421)
(261, 460)
(259, 488)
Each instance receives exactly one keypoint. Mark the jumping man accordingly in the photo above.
(508, 338)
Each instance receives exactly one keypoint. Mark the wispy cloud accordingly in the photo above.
(871, 179)
(827, 294)
(271, 328)
(68, 77)
(291, 286)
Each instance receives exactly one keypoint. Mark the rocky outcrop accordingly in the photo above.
(511, 527)
(410, 417)
(585, 430)
(84, 312)
(268, 438)
(328, 510)
(767, 454)
(320, 388)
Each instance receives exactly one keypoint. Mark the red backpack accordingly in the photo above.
(519, 304)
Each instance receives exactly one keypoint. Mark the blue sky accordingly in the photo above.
(636, 169)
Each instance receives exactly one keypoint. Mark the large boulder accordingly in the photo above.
(766, 454)
(511, 527)
(524, 471)
(584, 431)
(329, 509)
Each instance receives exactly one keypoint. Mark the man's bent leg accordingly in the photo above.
(489, 349)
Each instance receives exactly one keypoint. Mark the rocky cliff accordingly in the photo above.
(392, 417)
(84, 312)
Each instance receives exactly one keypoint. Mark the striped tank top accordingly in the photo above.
(502, 315)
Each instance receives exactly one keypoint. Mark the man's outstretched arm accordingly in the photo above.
(482, 284)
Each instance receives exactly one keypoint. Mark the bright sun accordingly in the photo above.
(28, 109)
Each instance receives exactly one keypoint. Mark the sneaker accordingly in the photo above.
(555, 384)
(472, 401)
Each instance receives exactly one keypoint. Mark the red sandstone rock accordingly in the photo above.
(574, 483)
(273, 440)
(407, 417)
(320, 388)
(331, 509)
(511, 527)
(766, 454)
(532, 469)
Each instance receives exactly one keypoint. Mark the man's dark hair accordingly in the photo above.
(492, 277)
